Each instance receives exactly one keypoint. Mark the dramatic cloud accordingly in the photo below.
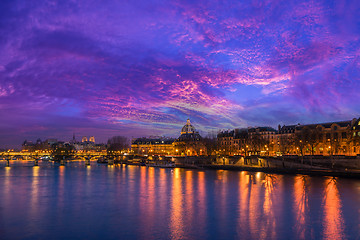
(141, 68)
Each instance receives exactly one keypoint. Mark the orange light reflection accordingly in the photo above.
(176, 221)
(300, 205)
(333, 220)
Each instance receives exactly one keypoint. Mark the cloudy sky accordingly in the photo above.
(140, 68)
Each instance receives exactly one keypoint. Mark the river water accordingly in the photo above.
(133, 202)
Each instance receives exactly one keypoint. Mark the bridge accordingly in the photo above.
(36, 156)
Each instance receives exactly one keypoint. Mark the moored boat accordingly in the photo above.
(160, 163)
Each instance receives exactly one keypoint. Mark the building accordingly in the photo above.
(286, 140)
(262, 141)
(250, 141)
(189, 143)
(233, 142)
(153, 146)
(333, 138)
(46, 145)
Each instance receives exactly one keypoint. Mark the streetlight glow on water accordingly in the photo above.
(138, 202)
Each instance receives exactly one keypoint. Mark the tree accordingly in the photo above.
(309, 138)
(300, 142)
(242, 136)
(62, 151)
(286, 143)
(256, 143)
(118, 143)
(313, 139)
(210, 143)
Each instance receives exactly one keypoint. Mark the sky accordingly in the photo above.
(142, 67)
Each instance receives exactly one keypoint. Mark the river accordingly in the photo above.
(132, 202)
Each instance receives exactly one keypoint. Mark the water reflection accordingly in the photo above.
(201, 206)
(259, 205)
(268, 226)
(301, 206)
(333, 220)
(61, 187)
(34, 198)
(162, 191)
(7, 185)
(254, 206)
(189, 193)
(88, 171)
(243, 211)
(221, 190)
(141, 202)
(150, 199)
(176, 214)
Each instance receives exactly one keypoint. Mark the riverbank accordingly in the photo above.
(288, 171)
(335, 166)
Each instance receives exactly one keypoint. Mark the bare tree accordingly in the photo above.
(308, 137)
(286, 143)
(256, 143)
(118, 143)
(300, 142)
(313, 139)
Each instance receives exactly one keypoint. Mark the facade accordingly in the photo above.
(233, 142)
(333, 138)
(262, 141)
(153, 146)
(189, 143)
(250, 141)
(39, 145)
(51, 144)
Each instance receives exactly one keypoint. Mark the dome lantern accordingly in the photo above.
(187, 128)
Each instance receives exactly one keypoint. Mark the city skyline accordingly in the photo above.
(142, 68)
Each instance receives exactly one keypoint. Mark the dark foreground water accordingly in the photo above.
(131, 202)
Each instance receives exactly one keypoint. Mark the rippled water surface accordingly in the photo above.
(131, 202)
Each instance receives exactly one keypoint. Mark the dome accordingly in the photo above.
(187, 128)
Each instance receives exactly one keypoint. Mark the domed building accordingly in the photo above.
(189, 142)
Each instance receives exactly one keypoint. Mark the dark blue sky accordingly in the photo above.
(140, 68)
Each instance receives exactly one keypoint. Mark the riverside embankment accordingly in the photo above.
(337, 166)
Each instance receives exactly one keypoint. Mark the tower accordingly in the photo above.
(73, 139)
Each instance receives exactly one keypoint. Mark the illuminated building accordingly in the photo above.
(153, 146)
(233, 142)
(189, 142)
(333, 138)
